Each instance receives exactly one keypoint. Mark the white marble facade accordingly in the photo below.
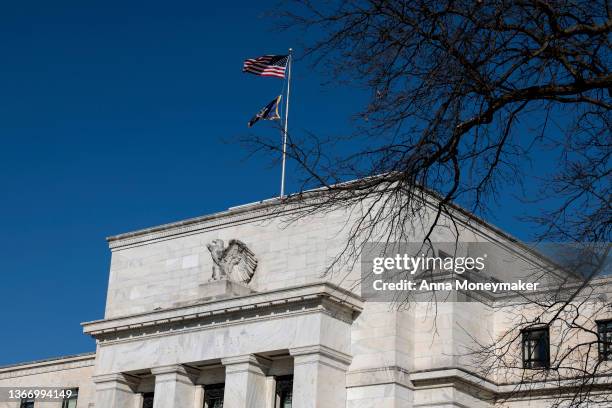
(169, 331)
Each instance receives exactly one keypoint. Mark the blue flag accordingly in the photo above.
(269, 112)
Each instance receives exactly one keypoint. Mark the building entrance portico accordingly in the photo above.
(238, 346)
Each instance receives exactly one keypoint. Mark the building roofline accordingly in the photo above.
(275, 202)
(271, 206)
(240, 209)
(49, 361)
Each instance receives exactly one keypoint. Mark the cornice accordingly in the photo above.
(320, 297)
(269, 208)
(46, 366)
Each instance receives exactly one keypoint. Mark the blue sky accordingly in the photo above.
(116, 116)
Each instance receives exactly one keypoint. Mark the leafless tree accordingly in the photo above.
(463, 95)
(451, 82)
(573, 369)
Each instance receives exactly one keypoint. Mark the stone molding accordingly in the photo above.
(193, 225)
(47, 366)
(112, 380)
(175, 373)
(453, 376)
(314, 298)
(247, 363)
(379, 376)
(321, 354)
(456, 376)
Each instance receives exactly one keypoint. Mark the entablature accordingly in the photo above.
(320, 297)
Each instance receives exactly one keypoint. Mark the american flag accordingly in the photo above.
(267, 65)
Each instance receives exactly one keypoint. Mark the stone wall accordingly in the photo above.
(64, 372)
(164, 272)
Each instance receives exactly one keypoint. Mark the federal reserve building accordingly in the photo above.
(240, 309)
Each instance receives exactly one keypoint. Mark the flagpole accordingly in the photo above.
(282, 189)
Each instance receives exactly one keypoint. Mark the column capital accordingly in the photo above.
(176, 370)
(250, 362)
(319, 377)
(115, 390)
(174, 385)
(116, 378)
(311, 353)
(245, 381)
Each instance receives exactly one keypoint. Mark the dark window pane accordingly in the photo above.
(604, 330)
(27, 403)
(213, 395)
(71, 401)
(536, 348)
(284, 391)
(147, 400)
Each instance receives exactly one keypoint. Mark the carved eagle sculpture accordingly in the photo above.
(236, 262)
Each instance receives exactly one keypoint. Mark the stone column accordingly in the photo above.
(319, 377)
(115, 391)
(245, 381)
(271, 392)
(174, 386)
(199, 397)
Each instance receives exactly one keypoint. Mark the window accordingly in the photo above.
(284, 391)
(604, 332)
(27, 403)
(536, 346)
(71, 401)
(147, 400)
(213, 395)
